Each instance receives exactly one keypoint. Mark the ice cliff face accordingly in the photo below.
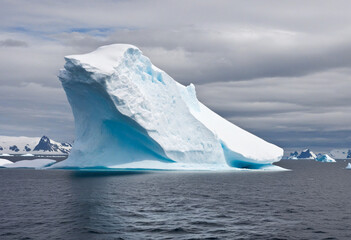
(130, 114)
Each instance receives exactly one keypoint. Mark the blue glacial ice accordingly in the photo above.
(129, 114)
(324, 158)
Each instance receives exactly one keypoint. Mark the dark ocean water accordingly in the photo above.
(311, 202)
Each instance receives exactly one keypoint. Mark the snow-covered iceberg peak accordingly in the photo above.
(130, 114)
(324, 158)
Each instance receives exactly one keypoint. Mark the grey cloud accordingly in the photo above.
(281, 72)
(306, 16)
(233, 54)
(38, 63)
(284, 110)
(35, 110)
(325, 89)
(12, 43)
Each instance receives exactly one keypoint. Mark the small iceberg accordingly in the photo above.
(6, 155)
(4, 161)
(37, 164)
(27, 155)
(348, 166)
(325, 158)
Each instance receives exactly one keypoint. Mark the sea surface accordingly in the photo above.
(313, 201)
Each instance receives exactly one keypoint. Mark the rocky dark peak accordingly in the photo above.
(45, 139)
(45, 145)
(294, 154)
(66, 144)
(14, 148)
(305, 154)
(349, 154)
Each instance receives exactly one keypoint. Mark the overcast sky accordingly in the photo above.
(280, 69)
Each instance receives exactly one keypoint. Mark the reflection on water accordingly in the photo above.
(104, 173)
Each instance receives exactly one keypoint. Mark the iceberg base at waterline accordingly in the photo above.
(151, 165)
(129, 114)
(348, 166)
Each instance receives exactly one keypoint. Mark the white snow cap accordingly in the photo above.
(127, 110)
(104, 59)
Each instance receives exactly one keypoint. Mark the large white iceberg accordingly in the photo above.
(130, 114)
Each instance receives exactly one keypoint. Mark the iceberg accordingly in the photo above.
(129, 114)
(4, 161)
(348, 166)
(6, 155)
(37, 164)
(27, 155)
(325, 158)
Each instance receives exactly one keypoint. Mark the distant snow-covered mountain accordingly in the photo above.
(293, 155)
(34, 145)
(307, 154)
(342, 153)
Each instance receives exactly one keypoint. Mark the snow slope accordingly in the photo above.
(127, 111)
(17, 144)
(340, 153)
